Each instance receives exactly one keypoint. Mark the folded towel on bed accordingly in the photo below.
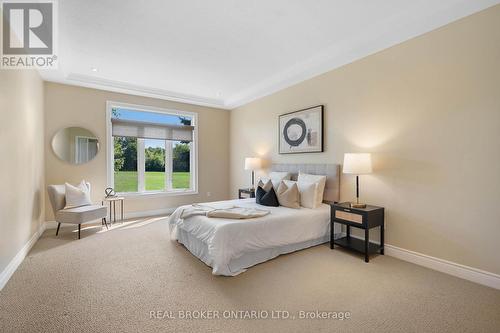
(237, 213)
(229, 212)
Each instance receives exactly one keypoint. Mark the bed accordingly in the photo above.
(230, 246)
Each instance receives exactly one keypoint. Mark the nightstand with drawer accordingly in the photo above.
(245, 193)
(361, 218)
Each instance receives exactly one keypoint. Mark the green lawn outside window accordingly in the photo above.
(126, 181)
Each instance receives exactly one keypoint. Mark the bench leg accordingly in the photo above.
(79, 227)
(105, 223)
(58, 226)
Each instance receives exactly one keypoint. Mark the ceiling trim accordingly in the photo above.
(352, 48)
(127, 88)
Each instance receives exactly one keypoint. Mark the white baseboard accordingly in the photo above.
(449, 267)
(465, 272)
(6, 274)
(126, 216)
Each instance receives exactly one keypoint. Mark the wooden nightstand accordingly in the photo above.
(245, 193)
(362, 218)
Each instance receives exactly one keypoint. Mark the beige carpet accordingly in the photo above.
(110, 281)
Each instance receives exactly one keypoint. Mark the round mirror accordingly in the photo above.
(75, 145)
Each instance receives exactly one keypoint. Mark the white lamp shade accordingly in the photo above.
(357, 164)
(253, 163)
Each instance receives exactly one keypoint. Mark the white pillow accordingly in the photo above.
(276, 178)
(280, 175)
(307, 192)
(77, 196)
(320, 180)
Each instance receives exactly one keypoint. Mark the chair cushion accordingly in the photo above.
(82, 214)
(57, 196)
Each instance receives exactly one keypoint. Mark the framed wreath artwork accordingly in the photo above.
(301, 131)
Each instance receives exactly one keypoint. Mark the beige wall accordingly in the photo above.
(21, 151)
(83, 107)
(429, 111)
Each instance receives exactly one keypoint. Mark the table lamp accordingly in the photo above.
(253, 163)
(357, 164)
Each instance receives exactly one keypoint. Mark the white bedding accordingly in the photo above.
(228, 239)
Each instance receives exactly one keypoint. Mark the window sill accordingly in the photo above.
(156, 194)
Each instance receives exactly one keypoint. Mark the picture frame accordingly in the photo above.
(301, 131)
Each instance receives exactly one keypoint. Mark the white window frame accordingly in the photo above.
(77, 146)
(193, 160)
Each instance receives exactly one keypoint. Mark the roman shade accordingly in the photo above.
(146, 130)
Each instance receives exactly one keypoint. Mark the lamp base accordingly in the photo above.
(357, 205)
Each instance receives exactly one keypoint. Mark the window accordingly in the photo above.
(85, 148)
(151, 150)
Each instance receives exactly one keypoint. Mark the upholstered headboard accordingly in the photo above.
(331, 171)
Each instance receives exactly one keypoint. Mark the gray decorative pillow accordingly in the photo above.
(288, 196)
(265, 186)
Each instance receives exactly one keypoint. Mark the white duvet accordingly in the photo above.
(228, 239)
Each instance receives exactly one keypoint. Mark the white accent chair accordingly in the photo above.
(76, 215)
